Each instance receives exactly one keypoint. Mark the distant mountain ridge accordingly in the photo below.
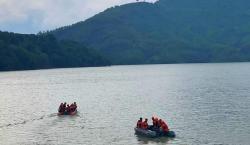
(168, 31)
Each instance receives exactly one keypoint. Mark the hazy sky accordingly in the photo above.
(31, 16)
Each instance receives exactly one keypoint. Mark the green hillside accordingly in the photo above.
(168, 31)
(22, 51)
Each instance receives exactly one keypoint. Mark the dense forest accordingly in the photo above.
(22, 51)
(168, 31)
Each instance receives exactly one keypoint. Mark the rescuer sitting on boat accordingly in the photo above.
(145, 124)
(158, 125)
(139, 123)
(66, 109)
(142, 124)
(163, 126)
(159, 128)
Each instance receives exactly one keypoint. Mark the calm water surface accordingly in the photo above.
(202, 103)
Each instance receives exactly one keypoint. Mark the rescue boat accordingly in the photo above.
(154, 134)
(65, 113)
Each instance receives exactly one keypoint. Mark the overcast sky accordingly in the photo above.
(32, 16)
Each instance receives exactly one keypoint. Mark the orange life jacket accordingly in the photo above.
(144, 125)
(139, 124)
(164, 127)
(155, 122)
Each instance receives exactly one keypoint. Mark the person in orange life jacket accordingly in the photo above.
(145, 124)
(159, 122)
(64, 106)
(155, 122)
(72, 107)
(163, 126)
(61, 109)
(75, 105)
(68, 109)
(139, 123)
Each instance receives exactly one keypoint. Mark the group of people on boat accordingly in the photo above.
(159, 125)
(65, 108)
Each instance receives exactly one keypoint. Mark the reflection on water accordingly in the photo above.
(202, 103)
(145, 140)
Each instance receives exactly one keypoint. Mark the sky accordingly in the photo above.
(32, 16)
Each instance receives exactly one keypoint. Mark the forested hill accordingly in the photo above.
(21, 51)
(168, 31)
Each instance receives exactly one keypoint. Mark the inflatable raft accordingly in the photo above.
(65, 113)
(153, 134)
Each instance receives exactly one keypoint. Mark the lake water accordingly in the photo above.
(202, 103)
